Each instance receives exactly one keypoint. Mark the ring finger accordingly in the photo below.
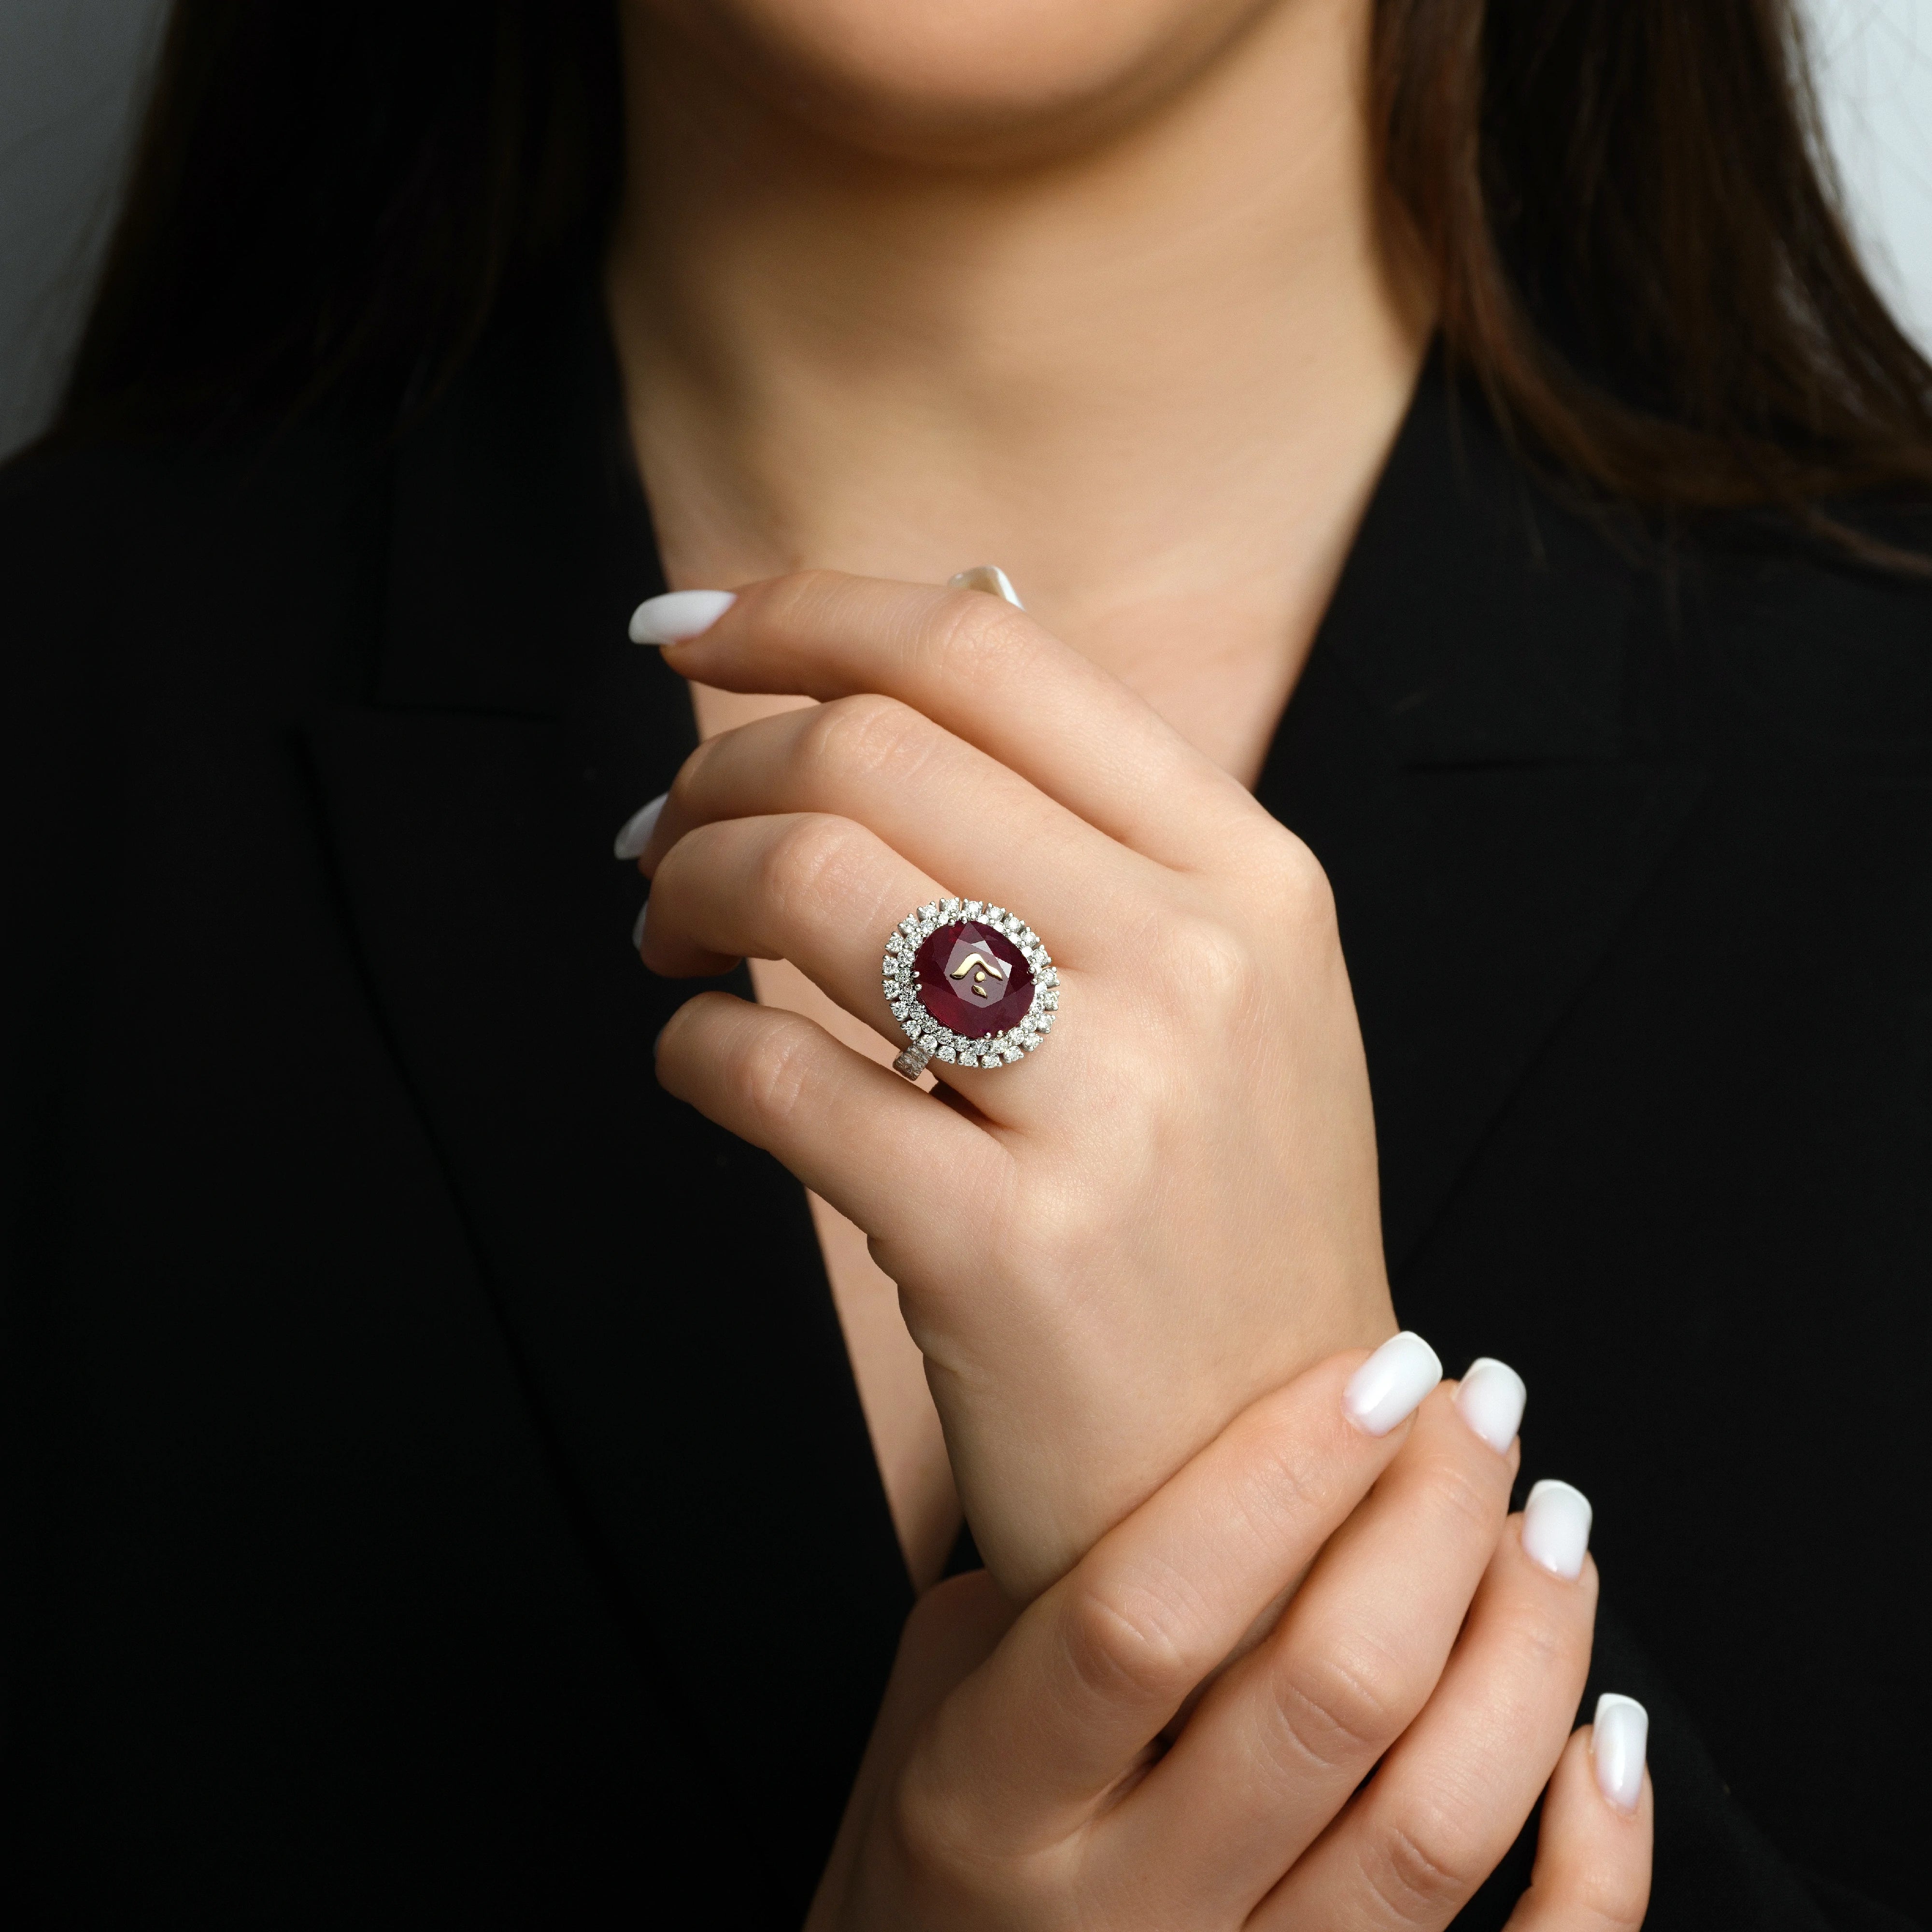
(823, 892)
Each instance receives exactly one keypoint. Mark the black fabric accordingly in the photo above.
(408, 1522)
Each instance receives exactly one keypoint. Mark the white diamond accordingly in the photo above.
(929, 911)
(969, 1060)
(1044, 1023)
(1011, 1055)
(930, 1042)
(1028, 1041)
(946, 1053)
(997, 915)
(1050, 998)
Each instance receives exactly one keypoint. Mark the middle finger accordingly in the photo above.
(959, 815)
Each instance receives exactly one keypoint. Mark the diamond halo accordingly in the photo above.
(928, 1038)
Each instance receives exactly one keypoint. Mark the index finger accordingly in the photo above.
(1087, 1678)
(987, 672)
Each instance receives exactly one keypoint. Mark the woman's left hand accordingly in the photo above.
(1107, 1250)
(1017, 1778)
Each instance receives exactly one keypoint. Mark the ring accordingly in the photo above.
(969, 985)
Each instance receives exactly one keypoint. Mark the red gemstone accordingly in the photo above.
(973, 979)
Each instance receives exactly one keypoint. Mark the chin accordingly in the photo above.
(970, 81)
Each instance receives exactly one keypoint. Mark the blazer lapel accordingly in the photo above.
(660, 1281)
(1466, 755)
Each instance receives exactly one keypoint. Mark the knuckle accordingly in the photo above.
(926, 1818)
(1425, 1865)
(1301, 891)
(1467, 1491)
(972, 627)
(1064, 1229)
(1614, 1894)
(1550, 1637)
(765, 1069)
(870, 735)
(1287, 1481)
(1338, 1707)
(674, 1040)
(1125, 1644)
(799, 859)
(946, 1813)
(687, 787)
(802, 599)
(1212, 973)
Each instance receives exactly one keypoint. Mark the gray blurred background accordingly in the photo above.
(71, 74)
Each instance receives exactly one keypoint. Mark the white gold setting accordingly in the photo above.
(927, 1039)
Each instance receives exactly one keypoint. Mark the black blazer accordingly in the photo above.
(407, 1521)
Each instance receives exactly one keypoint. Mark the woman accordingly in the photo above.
(1461, 448)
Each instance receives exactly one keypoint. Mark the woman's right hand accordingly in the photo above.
(1017, 1780)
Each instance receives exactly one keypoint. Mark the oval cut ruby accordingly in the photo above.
(973, 979)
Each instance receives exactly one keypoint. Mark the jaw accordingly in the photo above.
(995, 84)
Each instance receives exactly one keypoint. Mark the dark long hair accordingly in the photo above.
(1634, 234)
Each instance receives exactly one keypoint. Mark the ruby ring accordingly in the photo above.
(969, 985)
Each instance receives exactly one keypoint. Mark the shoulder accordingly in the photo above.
(130, 568)
(1782, 650)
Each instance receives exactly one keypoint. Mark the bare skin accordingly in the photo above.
(1094, 289)
(1140, 338)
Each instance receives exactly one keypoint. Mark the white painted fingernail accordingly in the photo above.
(637, 926)
(1556, 1528)
(1619, 1738)
(635, 833)
(1390, 1383)
(678, 615)
(990, 578)
(1490, 1400)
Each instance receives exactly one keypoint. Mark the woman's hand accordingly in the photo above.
(1108, 1250)
(1016, 1780)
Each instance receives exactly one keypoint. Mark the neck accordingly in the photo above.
(1153, 378)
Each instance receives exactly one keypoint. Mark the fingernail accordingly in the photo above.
(1618, 1737)
(637, 926)
(1389, 1385)
(1556, 1528)
(1490, 1400)
(678, 614)
(635, 833)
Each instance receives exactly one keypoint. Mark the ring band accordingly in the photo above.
(969, 985)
